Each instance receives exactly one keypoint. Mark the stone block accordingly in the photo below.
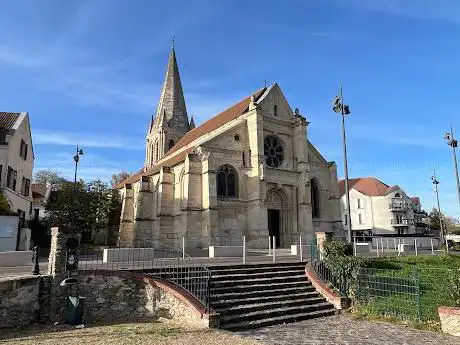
(225, 251)
(450, 320)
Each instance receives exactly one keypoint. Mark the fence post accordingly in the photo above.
(399, 246)
(388, 247)
(432, 247)
(269, 245)
(377, 242)
(244, 250)
(183, 247)
(274, 248)
(301, 248)
(381, 244)
(415, 244)
(394, 240)
(417, 291)
(354, 245)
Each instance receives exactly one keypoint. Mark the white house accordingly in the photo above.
(16, 165)
(377, 208)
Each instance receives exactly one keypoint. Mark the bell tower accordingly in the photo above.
(171, 120)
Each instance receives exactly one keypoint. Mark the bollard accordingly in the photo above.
(269, 245)
(388, 247)
(415, 244)
(274, 248)
(399, 247)
(36, 270)
(244, 250)
(377, 242)
(354, 245)
(183, 248)
(381, 244)
(432, 247)
(394, 240)
(301, 248)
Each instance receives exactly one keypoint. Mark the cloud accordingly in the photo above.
(41, 137)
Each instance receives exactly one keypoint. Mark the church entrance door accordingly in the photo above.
(274, 222)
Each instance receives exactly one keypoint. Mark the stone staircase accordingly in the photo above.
(254, 296)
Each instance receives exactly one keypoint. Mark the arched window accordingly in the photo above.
(227, 181)
(397, 195)
(315, 201)
(273, 151)
(171, 144)
(158, 151)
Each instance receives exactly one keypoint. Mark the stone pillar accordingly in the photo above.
(57, 269)
(127, 217)
(322, 237)
(166, 192)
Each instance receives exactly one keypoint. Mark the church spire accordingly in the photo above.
(172, 102)
(192, 123)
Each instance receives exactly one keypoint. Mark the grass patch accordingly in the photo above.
(407, 288)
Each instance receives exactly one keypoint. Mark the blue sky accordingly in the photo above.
(90, 71)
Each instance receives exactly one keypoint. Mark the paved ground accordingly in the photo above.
(343, 330)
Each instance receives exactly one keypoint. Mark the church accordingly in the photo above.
(248, 171)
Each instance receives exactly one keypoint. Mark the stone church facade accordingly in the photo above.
(248, 171)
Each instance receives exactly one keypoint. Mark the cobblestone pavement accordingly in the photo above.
(343, 330)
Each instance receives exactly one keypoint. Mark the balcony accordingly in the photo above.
(402, 222)
(398, 206)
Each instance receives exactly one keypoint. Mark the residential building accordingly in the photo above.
(16, 163)
(377, 208)
(248, 171)
(40, 194)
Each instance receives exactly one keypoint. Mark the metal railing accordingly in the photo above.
(155, 260)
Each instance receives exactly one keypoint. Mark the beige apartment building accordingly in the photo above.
(248, 171)
(379, 209)
(16, 163)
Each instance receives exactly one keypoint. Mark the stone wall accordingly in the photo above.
(131, 298)
(24, 300)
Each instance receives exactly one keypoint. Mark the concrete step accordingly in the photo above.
(253, 268)
(237, 287)
(229, 294)
(258, 281)
(262, 274)
(274, 312)
(237, 301)
(254, 307)
(271, 321)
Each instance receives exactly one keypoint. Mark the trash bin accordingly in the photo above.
(75, 308)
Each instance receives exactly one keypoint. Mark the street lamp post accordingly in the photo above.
(452, 142)
(340, 108)
(76, 158)
(441, 225)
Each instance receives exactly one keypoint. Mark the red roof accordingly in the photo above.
(415, 199)
(369, 186)
(212, 124)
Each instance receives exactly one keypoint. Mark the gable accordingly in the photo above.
(275, 97)
(313, 154)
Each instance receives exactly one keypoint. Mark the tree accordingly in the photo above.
(83, 208)
(117, 178)
(46, 176)
(448, 222)
(4, 206)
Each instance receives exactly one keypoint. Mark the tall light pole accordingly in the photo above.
(76, 158)
(441, 225)
(452, 142)
(340, 108)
